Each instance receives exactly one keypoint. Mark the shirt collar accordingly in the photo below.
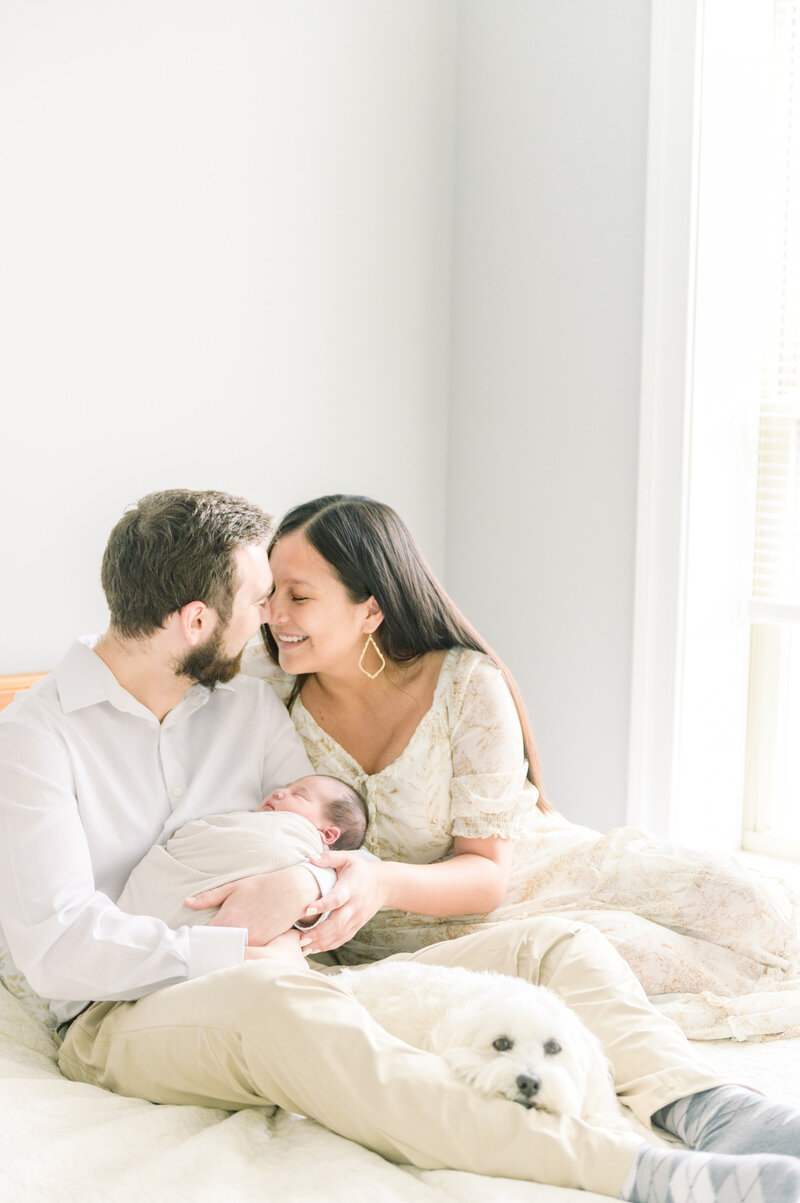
(83, 679)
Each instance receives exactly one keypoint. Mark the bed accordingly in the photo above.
(65, 1141)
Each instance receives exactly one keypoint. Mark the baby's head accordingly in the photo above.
(338, 811)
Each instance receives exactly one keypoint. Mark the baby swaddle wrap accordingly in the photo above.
(210, 852)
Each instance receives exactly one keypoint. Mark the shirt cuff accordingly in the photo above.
(213, 948)
(325, 878)
(307, 924)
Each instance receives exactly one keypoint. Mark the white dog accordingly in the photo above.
(501, 1034)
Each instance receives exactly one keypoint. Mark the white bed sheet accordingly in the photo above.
(64, 1142)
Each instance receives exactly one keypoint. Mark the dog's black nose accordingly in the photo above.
(528, 1085)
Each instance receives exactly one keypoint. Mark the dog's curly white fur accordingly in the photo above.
(500, 1034)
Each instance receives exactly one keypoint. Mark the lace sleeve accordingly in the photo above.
(489, 793)
(256, 663)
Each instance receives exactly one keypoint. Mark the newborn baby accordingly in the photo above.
(292, 824)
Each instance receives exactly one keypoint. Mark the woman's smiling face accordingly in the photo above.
(317, 628)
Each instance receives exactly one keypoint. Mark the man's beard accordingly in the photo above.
(207, 664)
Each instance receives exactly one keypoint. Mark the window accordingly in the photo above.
(772, 776)
(711, 63)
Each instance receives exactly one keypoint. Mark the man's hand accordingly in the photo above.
(357, 895)
(267, 904)
(285, 949)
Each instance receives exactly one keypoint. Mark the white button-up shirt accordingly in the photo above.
(89, 781)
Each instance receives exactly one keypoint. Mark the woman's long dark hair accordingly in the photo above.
(373, 553)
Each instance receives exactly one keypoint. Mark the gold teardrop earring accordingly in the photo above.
(378, 653)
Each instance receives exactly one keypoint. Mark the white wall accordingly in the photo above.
(225, 234)
(225, 241)
(546, 358)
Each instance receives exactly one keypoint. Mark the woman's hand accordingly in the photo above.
(267, 904)
(355, 898)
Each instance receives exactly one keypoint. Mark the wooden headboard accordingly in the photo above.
(11, 685)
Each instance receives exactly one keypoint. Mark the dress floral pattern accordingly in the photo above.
(714, 945)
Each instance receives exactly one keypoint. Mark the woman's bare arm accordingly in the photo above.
(473, 881)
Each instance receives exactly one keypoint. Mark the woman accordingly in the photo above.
(391, 689)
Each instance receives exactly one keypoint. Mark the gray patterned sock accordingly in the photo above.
(679, 1176)
(730, 1119)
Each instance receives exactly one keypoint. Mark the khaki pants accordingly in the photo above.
(264, 1034)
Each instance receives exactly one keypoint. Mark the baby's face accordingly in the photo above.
(308, 796)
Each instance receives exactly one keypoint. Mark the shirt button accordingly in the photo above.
(176, 793)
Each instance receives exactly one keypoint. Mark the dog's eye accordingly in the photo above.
(552, 1047)
(502, 1044)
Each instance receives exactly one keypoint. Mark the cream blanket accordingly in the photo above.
(715, 946)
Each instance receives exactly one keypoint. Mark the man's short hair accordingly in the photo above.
(176, 547)
(349, 813)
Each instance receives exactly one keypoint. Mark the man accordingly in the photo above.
(150, 726)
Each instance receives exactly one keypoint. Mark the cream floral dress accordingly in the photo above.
(714, 946)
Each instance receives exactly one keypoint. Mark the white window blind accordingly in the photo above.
(776, 576)
(772, 801)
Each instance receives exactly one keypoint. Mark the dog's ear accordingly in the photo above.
(436, 1039)
(455, 1028)
(599, 1097)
